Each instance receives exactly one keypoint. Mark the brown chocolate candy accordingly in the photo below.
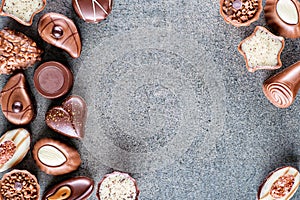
(117, 185)
(22, 11)
(15, 102)
(284, 16)
(92, 11)
(53, 79)
(17, 51)
(77, 188)
(60, 31)
(282, 88)
(68, 119)
(54, 157)
(19, 184)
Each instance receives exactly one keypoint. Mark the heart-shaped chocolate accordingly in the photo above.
(68, 119)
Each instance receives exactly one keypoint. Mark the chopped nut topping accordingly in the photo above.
(19, 185)
(17, 51)
(7, 150)
(240, 10)
(282, 186)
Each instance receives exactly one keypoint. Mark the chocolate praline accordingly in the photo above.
(284, 17)
(53, 79)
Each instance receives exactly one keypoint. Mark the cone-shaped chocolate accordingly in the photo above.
(282, 88)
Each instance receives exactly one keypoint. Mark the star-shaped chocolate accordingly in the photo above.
(262, 50)
(22, 11)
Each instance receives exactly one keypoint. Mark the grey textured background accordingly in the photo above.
(170, 102)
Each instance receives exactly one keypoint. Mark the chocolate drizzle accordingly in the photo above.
(69, 40)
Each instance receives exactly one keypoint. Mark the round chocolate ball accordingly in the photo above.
(53, 79)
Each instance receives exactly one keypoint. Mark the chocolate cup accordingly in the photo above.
(53, 79)
(238, 24)
(29, 23)
(282, 88)
(274, 20)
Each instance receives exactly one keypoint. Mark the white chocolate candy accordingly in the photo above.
(287, 11)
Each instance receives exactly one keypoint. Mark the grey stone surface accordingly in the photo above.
(170, 102)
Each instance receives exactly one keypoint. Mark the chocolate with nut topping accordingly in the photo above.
(17, 51)
(19, 184)
(77, 188)
(240, 12)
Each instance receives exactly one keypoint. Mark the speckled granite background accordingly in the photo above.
(170, 102)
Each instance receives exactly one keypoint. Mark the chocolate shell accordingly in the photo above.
(60, 31)
(77, 188)
(282, 183)
(92, 11)
(14, 145)
(19, 184)
(282, 88)
(68, 119)
(15, 101)
(240, 12)
(22, 11)
(262, 50)
(54, 157)
(117, 186)
(284, 17)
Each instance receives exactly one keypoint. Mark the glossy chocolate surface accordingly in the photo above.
(282, 88)
(77, 188)
(54, 157)
(92, 11)
(60, 31)
(284, 28)
(15, 101)
(69, 118)
(53, 79)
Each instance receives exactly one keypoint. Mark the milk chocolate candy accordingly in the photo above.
(284, 16)
(54, 157)
(53, 79)
(282, 88)
(15, 101)
(17, 51)
(68, 119)
(77, 188)
(14, 145)
(21, 10)
(19, 184)
(92, 11)
(117, 186)
(282, 183)
(60, 31)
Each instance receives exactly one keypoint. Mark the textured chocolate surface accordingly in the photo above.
(60, 31)
(54, 157)
(282, 88)
(19, 184)
(76, 188)
(53, 79)
(92, 11)
(17, 51)
(284, 28)
(15, 101)
(22, 11)
(69, 118)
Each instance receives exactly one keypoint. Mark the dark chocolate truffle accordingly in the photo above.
(53, 79)
(92, 11)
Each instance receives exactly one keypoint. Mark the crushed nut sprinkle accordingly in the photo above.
(7, 150)
(19, 185)
(17, 51)
(240, 10)
(282, 186)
